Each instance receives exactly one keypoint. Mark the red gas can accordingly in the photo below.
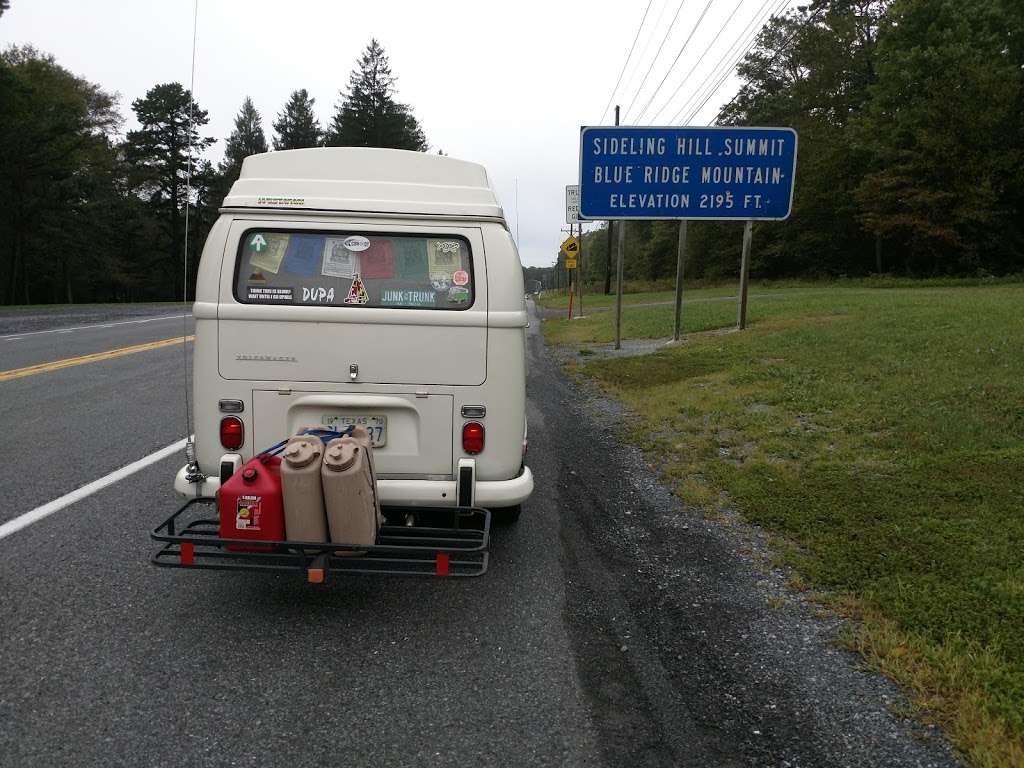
(251, 504)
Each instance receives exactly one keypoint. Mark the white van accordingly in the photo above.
(365, 286)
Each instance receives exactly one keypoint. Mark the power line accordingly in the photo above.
(699, 60)
(626, 62)
(749, 45)
(755, 22)
(674, 62)
(744, 51)
(656, 55)
(785, 44)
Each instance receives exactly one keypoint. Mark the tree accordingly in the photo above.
(368, 115)
(297, 126)
(159, 153)
(247, 139)
(54, 142)
(945, 135)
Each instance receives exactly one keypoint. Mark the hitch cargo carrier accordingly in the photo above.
(414, 541)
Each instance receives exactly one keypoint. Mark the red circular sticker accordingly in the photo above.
(461, 277)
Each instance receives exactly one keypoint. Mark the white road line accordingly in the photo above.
(39, 513)
(15, 336)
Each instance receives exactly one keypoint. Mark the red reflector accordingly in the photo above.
(188, 553)
(232, 433)
(441, 563)
(473, 437)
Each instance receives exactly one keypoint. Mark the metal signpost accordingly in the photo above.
(572, 216)
(681, 173)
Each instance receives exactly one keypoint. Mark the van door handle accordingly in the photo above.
(353, 371)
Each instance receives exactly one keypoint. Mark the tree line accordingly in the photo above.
(910, 115)
(88, 213)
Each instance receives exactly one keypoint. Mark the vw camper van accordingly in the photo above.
(378, 287)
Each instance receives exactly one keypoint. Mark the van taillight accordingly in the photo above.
(232, 433)
(473, 437)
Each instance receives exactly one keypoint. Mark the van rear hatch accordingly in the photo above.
(331, 324)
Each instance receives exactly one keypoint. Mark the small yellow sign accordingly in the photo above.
(571, 246)
(570, 263)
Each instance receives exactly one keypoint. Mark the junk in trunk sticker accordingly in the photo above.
(397, 297)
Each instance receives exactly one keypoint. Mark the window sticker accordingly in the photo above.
(257, 293)
(303, 255)
(339, 261)
(411, 259)
(457, 295)
(357, 243)
(378, 261)
(461, 277)
(357, 293)
(401, 297)
(266, 250)
(318, 295)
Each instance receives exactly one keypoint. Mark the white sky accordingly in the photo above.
(507, 85)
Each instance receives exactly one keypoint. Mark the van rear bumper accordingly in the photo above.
(434, 493)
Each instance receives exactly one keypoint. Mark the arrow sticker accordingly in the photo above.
(258, 243)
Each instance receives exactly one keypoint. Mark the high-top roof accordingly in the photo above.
(365, 180)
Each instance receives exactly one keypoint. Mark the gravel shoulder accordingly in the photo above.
(688, 646)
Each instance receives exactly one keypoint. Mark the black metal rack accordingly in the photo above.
(415, 541)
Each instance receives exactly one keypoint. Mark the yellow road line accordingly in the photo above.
(69, 362)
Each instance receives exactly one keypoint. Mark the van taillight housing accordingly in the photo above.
(473, 437)
(232, 433)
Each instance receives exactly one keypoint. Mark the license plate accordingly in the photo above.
(377, 426)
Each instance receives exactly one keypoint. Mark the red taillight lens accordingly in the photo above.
(473, 437)
(232, 433)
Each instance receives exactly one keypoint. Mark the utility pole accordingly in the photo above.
(748, 231)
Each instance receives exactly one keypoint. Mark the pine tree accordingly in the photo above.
(297, 126)
(368, 115)
(158, 152)
(247, 139)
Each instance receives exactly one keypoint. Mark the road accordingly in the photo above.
(615, 627)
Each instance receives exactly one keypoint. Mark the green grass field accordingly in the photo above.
(880, 434)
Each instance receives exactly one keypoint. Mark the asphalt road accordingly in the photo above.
(615, 627)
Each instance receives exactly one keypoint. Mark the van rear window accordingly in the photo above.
(352, 269)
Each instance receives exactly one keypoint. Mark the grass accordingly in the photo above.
(881, 434)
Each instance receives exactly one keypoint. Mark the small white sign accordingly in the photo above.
(572, 204)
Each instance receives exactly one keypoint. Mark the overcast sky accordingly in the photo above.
(507, 85)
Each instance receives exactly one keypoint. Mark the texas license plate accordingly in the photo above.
(377, 426)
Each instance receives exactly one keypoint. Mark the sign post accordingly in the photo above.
(682, 173)
(677, 321)
(748, 232)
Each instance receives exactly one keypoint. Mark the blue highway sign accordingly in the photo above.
(686, 173)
